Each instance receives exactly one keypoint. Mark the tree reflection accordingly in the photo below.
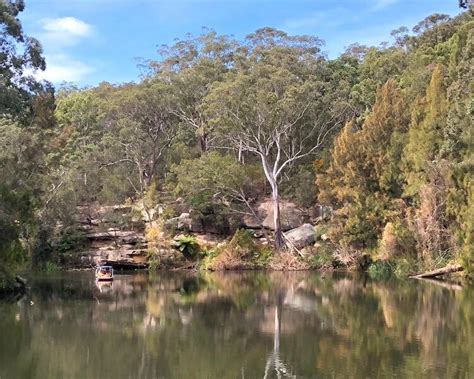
(227, 325)
(274, 361)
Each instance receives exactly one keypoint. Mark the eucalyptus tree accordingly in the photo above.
(141, 128)
(191, 67)
(274, 105)
(79, 114)
(19, 54)
(25, 117)
(218, 179)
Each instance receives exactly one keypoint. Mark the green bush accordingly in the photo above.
(71, 239)
(243, 239)
(188, 246)
(208, 256)
(243, 245)
(405, 267)
(50, 266)
(322, 260)
(320, 230)
(381, 270)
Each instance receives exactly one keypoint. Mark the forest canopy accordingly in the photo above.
(381, 135)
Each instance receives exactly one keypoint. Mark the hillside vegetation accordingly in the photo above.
(382, 137)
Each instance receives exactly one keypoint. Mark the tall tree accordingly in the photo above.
(426, 134)
(25, 116)
(142, 128)
(192, 66)
(274, 106)
(364, 173)
(18, 54)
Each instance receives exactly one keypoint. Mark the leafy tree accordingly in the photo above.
(16, 85)
(219, 179)
(426, 134)
(267, 106)
(25, 123)
(142, 129)
(193, 66)
(363, 174)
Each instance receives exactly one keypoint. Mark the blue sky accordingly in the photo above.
(89, 41)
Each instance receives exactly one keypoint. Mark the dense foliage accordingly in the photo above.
(386, 133)
(26, 120)
(400, 177)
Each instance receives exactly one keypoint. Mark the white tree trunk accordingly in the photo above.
(279, 243)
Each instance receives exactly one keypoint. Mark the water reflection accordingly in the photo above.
(104, 286)
(236, 325)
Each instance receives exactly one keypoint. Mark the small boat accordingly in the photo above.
(103, 273)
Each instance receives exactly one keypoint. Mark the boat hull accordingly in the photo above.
(104, 279)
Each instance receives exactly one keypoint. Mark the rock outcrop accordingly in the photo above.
(106, 243)
(291, 216)
(301, 236)
(192, 222)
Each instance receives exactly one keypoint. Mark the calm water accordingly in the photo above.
(229, 325)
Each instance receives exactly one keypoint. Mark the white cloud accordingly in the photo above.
(68, 25)
(59, 36)
(63, 68)
(64, 31)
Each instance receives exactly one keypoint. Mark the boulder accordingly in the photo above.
(302, 236)
(185, 222)
(291, 216)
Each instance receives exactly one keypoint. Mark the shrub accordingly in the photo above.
(187, 245)
(381, 270)
(397, 240)
(208, 258)
(322, 260)
(71, 239)
(242, 252)
(243, 242)
(404, 267)
(50, 266)
(320, 230)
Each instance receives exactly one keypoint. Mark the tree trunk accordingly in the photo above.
(203, 142)
(441, 271)
(279, 243)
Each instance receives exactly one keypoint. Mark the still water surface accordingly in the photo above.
(236, 325)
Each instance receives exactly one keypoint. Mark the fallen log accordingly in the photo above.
(442, 271)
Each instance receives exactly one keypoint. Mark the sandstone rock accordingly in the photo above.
(302, 236)
(291, 216)
(185, 222)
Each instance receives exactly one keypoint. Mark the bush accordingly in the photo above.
(208, 258)
(397, 240)
(322, 260)
(405, 267)
(188, 246)
(321, 229)
(243, 242)
(242, 252)
(50, 266)
(71, 239)
(381, 270)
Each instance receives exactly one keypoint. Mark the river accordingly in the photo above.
(236, 325)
